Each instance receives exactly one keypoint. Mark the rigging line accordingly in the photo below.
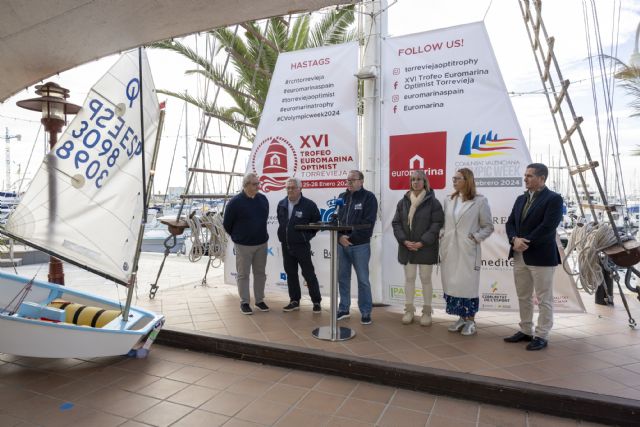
(173, 157)
(33, 148)
(617, 146)
(19, 119)
(488, 7)
(611, 136)
(206, 127)
(253, 81)
(594, 98)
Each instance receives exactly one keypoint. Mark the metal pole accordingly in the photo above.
(333, 324)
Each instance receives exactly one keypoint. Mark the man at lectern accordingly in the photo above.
(360, 207)
(295, 209)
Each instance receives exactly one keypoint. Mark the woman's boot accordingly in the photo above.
(409, 309)
(425, 319)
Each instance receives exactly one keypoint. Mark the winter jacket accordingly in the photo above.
(360, 207)
(304, 212)
(425, 227)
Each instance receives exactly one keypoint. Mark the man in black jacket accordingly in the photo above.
(295, 209)
(245, 220)
(354, 249)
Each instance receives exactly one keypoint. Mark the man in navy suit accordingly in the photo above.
(531, 230)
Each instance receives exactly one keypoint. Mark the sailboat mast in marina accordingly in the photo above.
(94, 219)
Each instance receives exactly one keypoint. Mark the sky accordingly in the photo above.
(564, 20)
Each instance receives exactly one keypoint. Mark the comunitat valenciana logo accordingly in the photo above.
(486, 145)
(274, 160)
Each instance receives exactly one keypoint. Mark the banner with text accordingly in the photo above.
(446, 107)
(308, 129)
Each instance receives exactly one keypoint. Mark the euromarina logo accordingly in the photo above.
(486, 145)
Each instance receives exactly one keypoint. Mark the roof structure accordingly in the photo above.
(40, 38)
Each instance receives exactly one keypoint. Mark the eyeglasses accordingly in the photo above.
(417, 179)
(353, 180)
(455, 179)
(254, 183)
(291, 188)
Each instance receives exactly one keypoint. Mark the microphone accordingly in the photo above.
(337, 203)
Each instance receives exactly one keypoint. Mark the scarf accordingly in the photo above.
(415, 201)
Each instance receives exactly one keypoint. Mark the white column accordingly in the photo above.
(374, 27)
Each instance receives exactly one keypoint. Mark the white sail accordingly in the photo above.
(94, 176)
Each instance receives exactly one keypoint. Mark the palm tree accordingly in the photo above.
(629, 80)
(253, 56)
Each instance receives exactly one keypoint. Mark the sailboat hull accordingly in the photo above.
(38, 329)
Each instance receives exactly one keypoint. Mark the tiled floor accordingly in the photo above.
(594, 351)
(175, 387)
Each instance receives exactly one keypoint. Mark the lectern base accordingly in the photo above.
(324, 333)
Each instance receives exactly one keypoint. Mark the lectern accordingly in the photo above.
(333, 332)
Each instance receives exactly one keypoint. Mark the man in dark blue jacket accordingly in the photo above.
(354, 249)
(531, 230)
(245, 220)
(295, 209)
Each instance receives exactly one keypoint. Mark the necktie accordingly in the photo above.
(530, 198)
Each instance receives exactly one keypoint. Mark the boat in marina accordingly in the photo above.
(100, 190)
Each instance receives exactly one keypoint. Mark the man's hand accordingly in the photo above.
(520, 244)
(344, 241)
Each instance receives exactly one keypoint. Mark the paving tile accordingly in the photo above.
(200, 418)
(336, 385)
(163, 414)
(361, 410)
(285, 394)
(302, 379)
(320, 402)
(262, 411)
(226, 403)
(193, 395)
(413, 400)
(500, 416)
(299, 417)
(394, 416)
(162, 388)
(373, 392)
(456, 408)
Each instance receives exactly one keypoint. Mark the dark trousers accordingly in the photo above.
(292, 255)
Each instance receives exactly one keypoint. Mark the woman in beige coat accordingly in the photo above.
(467, 222)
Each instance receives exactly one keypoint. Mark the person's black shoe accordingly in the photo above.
(245, 308)
(317, 309)
(343, 315)
(262, 306)
(518, 336)
(365, 319)
(537, 344)
(293, 305)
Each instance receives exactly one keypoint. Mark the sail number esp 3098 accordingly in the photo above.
(99, 142)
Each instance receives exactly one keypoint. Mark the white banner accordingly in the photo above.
(308, 129)
(446, 107)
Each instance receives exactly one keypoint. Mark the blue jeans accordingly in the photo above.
(358, 256)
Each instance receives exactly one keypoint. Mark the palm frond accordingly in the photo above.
(332, 28)
(253, 53)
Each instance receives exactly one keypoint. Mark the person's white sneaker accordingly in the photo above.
(407, 318)
(455, 327)
(469, 328)
(425, 319)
